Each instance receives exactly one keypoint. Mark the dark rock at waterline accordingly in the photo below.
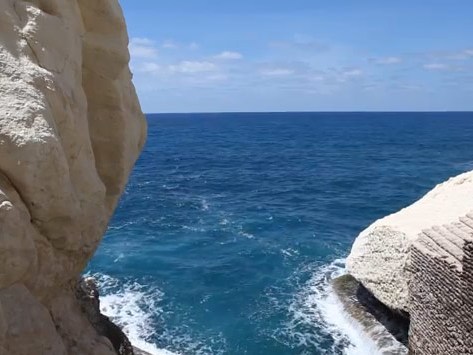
(88, 296)
(140, 352)
(388, 329)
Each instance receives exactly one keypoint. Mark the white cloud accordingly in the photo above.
(149, 67)
(142, 41)
(228, 55)
(191, 67)
(351, 73)
(194, 46)
(277, 72)
(344, 75)
(182, 68)
(143, 48)
(388, 60)
(460, 55)
(317, 78)
(301, 42)
(217, 77)
(170, 44)
(436, 66)
(410, 87)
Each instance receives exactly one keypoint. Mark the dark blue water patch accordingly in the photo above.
(228, 216)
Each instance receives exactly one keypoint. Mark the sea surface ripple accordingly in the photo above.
(232, 225)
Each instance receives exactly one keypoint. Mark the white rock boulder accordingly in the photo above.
(379, 258)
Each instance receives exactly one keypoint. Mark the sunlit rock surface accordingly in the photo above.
(418, 263)
(379, 258)
(71, 129)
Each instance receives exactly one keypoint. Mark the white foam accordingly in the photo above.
(224, 222)
(246, 235)
(119, 257)
(318, 304)
(204, 205)
(122, 226)
(194, 229)
(132, 308)
(289, 252)
(337, 319)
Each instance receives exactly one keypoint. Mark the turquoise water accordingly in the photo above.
(232, 224)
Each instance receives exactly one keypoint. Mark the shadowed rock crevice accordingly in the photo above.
(388, 329)
(396, 323)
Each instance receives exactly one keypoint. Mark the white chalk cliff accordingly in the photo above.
(71, 129)
(380, 257)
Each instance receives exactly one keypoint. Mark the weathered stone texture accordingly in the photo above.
(71, 129)
(441, 302)
(379, 258)
(412, 266)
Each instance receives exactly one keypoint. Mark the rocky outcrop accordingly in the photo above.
(87, 295)
(441, 290)
(380, 255)
(71, 129)
(419, 263)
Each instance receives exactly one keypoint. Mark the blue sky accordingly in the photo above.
(301, 55)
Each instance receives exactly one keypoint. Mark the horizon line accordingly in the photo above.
(272, 112)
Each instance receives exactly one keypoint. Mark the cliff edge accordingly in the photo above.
(380, 256)
(71, 129)
(419, 263)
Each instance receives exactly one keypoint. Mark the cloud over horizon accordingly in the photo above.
(298, 61)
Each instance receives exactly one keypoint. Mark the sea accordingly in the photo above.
(233, 225)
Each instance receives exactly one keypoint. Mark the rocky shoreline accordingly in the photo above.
(410, 282)
(387, 329)
(88, 296)
(71, 130)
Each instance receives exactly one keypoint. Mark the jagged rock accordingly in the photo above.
(88, 296)
(380, 257)
(71, 129)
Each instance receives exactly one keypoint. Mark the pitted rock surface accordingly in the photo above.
(380, 256)
(71, 129)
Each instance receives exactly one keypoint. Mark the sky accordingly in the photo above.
(301, 55)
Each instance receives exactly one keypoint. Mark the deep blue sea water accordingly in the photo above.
(232, 224)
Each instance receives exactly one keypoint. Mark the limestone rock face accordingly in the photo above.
(441, 290)
(380, 257)
(71, 129)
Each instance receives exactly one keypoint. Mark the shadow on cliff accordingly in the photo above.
(388, 329)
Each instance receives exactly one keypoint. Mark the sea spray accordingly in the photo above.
(138, 311)
(294, 182)
(317, 305)
(132, 307)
